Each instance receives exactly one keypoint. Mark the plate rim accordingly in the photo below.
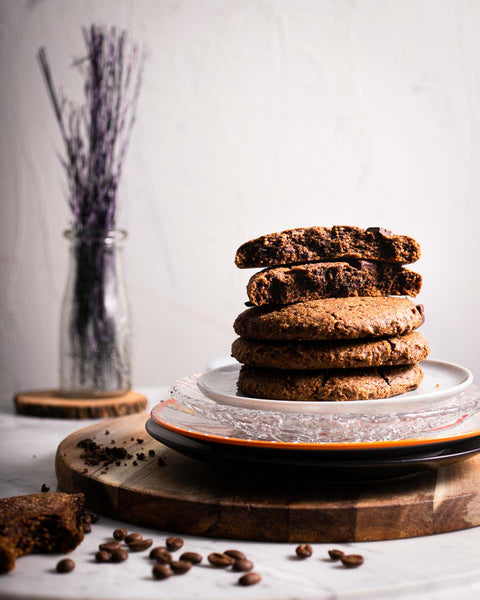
(397, 460)
(156, 411)
(393, 402)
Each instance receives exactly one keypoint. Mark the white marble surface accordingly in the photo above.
(434, 567)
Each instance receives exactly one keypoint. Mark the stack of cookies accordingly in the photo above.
(328, 316)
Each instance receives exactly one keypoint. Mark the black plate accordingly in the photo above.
(296, 464)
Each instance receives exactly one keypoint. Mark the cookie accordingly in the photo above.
(43, 522)
(284, 285)
(331, 318)
(313, 244)
(333, 354)
(337, 385)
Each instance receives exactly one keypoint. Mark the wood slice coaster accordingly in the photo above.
(49, 403)
(186, 496)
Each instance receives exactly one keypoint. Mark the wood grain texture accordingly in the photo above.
(48, 403)
(190, 497)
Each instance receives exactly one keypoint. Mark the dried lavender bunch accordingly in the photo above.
(96, 136)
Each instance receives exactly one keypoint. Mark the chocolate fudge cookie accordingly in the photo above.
(333, 354)
(312, 244)
(45, 522)
(331, 318)
(284, 285)
(339, 385)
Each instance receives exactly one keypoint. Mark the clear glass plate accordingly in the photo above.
(415, 419)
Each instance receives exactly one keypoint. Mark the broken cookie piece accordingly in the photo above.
(313, 244)
(284, 285)
(47, 522)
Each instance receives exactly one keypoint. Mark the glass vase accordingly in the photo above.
(95, 329)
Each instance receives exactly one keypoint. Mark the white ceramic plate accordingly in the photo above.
(441, 381)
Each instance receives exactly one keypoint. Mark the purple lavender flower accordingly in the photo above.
(96, 136)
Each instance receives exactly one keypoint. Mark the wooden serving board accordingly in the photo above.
(49, 403)
(186, 496)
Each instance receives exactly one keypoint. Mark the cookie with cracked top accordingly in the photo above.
(331, 318)
(284, 285)
(334, 386)
(332, 354)
(312, 244)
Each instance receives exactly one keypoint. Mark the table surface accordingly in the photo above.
(433, 567)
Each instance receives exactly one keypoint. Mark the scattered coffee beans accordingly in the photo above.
(217, 559)
(93, 517)
(192, 557)
(161, 571)
(304, 551)
(180, 566)
(120, 534)
(139, 545)
(161, 555)
(118, 555)
(102, 556)
(87, 528)
(335, 554)
(66, 565)
(132, 537)
(249, 579)
(236, 554)
(174, 543)
(352, 560)
(242, 564)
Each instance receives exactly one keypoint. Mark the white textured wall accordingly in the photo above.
(255, 115)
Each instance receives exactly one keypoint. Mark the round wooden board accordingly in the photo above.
(48, 403)
(186, 496)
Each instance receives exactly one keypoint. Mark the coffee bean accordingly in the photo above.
(120, 534)
(249, 579)
(86, 518)
(236, 554)
(102, 556)
(119, 555)
(161, 555)
(140, 545)
(174, 543)
(109, 546)
(352, 560)
(304, 551)
(93, 517)
(87, 528)
(133, 537)
(66, 565)
(180, 566)
(336, 554)
(242, 565)
(217, 559)
(192, 557)
(161, 571)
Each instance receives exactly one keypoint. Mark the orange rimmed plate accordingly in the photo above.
(186, 421)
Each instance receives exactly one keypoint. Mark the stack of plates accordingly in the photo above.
(436, 424)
